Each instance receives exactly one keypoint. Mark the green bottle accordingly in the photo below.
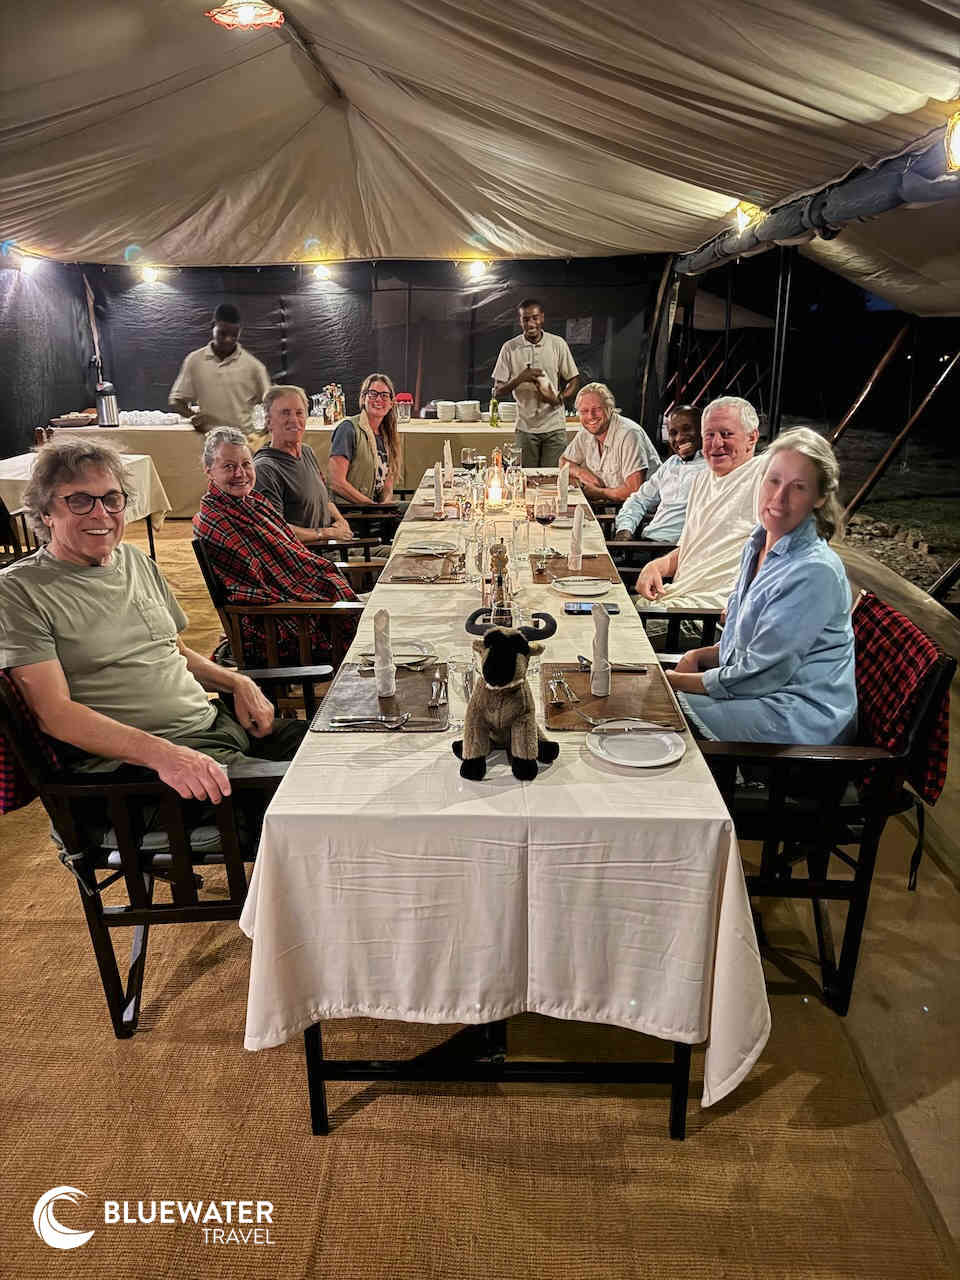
(494, 412)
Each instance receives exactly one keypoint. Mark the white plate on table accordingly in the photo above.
(429, 549)
(563, 522)
(580, 586)
(636, 750)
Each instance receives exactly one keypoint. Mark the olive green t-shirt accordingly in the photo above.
(113, 628)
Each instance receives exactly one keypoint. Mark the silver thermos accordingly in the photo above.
(107, 415)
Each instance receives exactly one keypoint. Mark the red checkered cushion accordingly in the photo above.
(16, 790)
(894, 660)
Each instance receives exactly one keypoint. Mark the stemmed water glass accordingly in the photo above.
(468, 459)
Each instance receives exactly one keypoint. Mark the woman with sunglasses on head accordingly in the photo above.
(365, 461)
(89, 631)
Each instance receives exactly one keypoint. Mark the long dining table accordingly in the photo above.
(387, 886)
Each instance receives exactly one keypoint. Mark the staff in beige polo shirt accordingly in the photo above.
(225, 380)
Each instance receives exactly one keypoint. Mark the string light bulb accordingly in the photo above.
(321, 272)
(245, 15)
(476, 269)
(28, 265)
(746, 213)
(951, 142)
(150, 275)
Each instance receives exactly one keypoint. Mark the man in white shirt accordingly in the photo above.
(665, 495)
(225, 380)
(610, 455)
(538, 370)
(721, 514)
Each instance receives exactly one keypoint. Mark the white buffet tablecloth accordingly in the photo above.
(388, 886)
(176, 450)
(150, 498)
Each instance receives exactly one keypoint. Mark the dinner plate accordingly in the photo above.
(636, 750)
(587, 587)
(429, 549)
(563, 522)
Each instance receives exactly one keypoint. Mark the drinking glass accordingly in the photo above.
(544, 512)
(468, 458)
(519, 545)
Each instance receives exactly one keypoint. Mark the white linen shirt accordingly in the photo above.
(225, 389)
(626, 449)
(553, 356)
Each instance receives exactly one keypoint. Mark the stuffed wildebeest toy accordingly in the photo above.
(501, 711)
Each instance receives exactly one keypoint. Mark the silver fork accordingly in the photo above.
(608, 720)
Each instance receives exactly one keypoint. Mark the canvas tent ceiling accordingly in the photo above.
(465, 128)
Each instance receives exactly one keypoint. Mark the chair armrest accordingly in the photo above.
(641, 544)
(286, 675)
(344, 544)
(770, 752)
(294, 607)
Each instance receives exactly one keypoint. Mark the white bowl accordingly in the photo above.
(468, 410)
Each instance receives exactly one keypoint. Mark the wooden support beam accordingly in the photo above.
(868, 385)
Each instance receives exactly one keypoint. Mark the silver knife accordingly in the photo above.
(636, 667)
(633, 728)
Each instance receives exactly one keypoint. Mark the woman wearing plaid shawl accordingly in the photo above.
(255, 553)
(784, 668)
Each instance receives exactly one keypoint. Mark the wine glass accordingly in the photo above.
(544, 512)
(468, 459)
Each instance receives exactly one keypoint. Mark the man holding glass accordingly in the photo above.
(538, 370)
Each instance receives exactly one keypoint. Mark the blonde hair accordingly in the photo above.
(601, 390)
(805, 440)
(388, 424)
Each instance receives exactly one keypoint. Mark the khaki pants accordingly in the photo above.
(542, 450)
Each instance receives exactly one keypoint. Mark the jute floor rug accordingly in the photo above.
(793, 1176)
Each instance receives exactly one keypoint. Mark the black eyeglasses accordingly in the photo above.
(379, 395)
(81, 504)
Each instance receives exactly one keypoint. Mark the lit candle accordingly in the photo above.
(495, 495)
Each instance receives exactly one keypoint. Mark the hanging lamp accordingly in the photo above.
(245, 15)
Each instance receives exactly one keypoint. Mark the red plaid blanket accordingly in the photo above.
(16, 790)
(260, 560)
(894, 659)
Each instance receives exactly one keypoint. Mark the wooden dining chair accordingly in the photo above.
(122, 834)
(339, 619)
(825, 808)
(16, 537)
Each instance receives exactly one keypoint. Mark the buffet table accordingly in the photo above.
(149, 501)
(176, 450)
(387, 886)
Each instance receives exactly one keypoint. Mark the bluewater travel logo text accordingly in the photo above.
(225, 1222)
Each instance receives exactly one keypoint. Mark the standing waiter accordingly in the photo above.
(225, 380)
(539, 370)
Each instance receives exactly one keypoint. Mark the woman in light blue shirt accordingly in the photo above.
(784, 668)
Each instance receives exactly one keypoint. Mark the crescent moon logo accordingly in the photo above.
(47, 1227)
(131, 251)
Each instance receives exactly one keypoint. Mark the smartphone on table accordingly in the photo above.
(586, 606)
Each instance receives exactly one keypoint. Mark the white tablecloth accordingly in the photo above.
(177, 449)
(388, 886)
(150, 498)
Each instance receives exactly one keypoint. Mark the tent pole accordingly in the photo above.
(780, 337)
(683, 390)
(868, 385)
(866, 488)
(727, 318)
(716, 373)
(654, 334)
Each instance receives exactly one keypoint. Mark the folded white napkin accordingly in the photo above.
(575, 558)
(438, 487)
(600, 669)
(384, 671)
(563, 486)
(447, 463)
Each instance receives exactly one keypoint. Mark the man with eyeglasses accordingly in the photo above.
(538, 369)
(89, 632)
(223, 378)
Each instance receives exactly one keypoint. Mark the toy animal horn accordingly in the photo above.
(539, 632)
(479, 622)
